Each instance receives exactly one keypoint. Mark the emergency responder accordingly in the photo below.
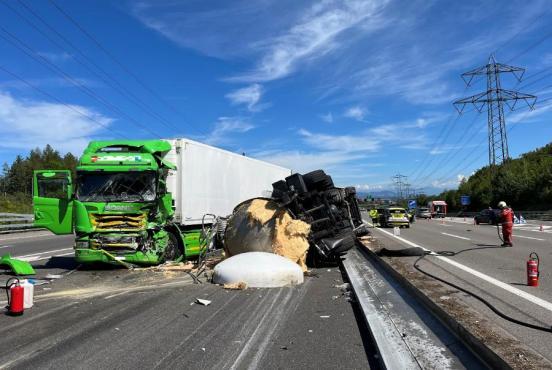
(374, 216)
(506, 218)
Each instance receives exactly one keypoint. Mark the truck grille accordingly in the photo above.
(114, 222)
(117, 244)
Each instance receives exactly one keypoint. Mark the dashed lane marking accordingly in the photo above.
(520, 293)
(456, 236)
(528, 237)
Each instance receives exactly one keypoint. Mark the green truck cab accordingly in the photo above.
(118, 205)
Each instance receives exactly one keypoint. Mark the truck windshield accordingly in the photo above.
(116, 187)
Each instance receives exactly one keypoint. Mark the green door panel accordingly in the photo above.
(52, 201)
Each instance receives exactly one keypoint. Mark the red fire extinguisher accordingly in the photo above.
(533, 270)
(15, 293)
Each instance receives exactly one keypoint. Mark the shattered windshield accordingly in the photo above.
(119, 186)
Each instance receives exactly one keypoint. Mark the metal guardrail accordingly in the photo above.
(528, 215)
(15, 222)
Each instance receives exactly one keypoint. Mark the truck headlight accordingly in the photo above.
(81, 245)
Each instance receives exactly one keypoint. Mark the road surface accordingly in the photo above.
(498, 274)
(115, 318)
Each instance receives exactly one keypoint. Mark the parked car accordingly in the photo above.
(394, 216)
(487, 216)
(423, 213)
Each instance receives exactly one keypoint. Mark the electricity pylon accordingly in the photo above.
(494, 98)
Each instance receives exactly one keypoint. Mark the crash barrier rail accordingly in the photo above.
(15, 222)
(528, 215)
(371, 280)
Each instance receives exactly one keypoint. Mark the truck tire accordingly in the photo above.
(172, 251)
(318, 180)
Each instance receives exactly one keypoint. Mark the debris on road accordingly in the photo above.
(18, 267)
(203, 302)
(236, 286)
(324, 316)
(53, 276)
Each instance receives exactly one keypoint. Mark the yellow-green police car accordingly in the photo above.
(396, 216)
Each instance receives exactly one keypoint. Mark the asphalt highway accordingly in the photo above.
(476, 261)
(115, 318)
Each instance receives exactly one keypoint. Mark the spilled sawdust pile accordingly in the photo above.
(260, 225)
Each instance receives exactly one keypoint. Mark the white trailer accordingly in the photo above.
(210, 180)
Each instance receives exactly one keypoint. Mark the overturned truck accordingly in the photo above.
(306, 215)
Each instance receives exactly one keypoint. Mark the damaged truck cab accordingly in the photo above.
(118, 205)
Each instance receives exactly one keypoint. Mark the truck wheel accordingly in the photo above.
(318, 180)
(172, 250)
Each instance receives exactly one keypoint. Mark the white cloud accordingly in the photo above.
(528, 115)
(356, 112)
(305, 161)
(449, 183)
(343, 143)
(313, 36)
(225, 127)
(55, 57)
(26, 124)
(328, 117)
(249, 96)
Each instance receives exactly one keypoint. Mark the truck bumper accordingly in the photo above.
(97, 255)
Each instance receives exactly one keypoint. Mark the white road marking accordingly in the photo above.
(520, 293)
(528, 237)
(39, 258)
(41, 253)
(30, 236)
(456, 236)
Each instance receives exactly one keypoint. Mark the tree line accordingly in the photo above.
(525, 183)
(16, 180)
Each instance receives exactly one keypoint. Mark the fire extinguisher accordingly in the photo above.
(533, 270)
(15, 293)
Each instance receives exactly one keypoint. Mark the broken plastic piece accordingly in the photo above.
(203, 302)
(18, 267)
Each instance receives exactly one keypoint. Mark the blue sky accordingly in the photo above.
(362, 89)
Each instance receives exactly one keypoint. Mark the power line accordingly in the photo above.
(112, 57)
(510, 129)
(43, 61)
(54, 98)
(104, 76)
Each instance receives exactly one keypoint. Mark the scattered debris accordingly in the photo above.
(345, 287)
(236, 286)
(19, 267)
(324, 316)
(284, 348)
(203, 349)
(53, 276)
(203, 302)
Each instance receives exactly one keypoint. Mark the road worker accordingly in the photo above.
(374, 216)
(506, 218)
